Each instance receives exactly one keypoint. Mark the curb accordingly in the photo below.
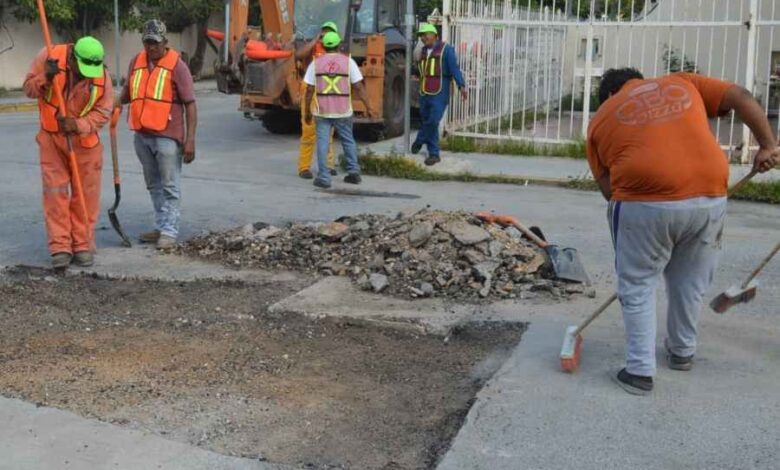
(23, 107)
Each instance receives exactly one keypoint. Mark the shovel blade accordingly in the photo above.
(567, 264)
(118, 228)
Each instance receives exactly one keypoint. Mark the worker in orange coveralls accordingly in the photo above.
(78, 71)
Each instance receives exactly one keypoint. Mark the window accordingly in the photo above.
(388, 15)
(364, 23)
(596, 47)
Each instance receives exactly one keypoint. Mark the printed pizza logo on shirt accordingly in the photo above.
(654, 103)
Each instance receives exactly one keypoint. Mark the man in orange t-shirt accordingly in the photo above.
(665, 176)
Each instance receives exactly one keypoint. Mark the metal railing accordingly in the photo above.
(533, 69)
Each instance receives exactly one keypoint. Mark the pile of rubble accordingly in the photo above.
(422, 254)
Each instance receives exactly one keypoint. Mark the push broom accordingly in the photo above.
(742, 293)
(572, 342)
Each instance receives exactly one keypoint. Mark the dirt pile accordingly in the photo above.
(423, 254)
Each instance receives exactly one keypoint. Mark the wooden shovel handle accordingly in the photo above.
(510, 220)
(595, 314)
(114, 150)
(762, 265)
(740, 183)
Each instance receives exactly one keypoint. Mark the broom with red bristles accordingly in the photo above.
(572, 342)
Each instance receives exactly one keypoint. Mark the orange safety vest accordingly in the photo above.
(151, 93)
(48, 105)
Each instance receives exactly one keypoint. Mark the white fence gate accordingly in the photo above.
(528, 63)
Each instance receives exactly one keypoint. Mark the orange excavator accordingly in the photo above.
(258, 61)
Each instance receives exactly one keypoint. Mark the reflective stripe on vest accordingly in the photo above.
(48, 105)
(431, 71)
(151, 93)
(334, 93)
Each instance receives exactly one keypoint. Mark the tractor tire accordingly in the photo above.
(395, 64)
(282, 121)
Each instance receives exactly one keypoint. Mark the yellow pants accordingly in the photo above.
(309, 144)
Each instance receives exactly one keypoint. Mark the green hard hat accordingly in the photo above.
(331, 40)
(330, 25)
(89, 55)
(427, 28)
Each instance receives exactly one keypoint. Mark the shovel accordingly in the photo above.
(566, 262)
(117, 182)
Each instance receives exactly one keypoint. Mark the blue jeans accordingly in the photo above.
(161, 159)
(431, 111)
(343, 127)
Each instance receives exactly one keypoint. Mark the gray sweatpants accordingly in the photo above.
(682, 241)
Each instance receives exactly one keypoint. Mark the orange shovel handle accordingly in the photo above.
(63, 111)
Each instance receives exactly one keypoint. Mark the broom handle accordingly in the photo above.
(761, 266)
(595, 314)
(742, 182)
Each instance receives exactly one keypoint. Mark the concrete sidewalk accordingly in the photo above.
(721, 415)
(33, 438)
(538, 169)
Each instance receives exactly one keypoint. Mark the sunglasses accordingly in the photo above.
(89, 61)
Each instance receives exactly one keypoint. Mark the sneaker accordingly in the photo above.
(353, 178)
(416, 147)
(321, 184)
(684, 363)
(306, 174)
(149, 237)
(61, 261)
(166, 242)
(432, 160)
(633, 384)
(334, 172)
(83, 259)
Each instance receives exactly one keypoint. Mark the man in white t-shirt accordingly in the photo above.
(332, 77)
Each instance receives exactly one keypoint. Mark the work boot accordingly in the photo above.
(321, 184)
(633, 384)
(149, 237)
(305, 174)
(61, 261)
(353, 178)
(684, 363)
(334, 172)
(432, 160)
(416, 147)
(166, 242)
(83, 259)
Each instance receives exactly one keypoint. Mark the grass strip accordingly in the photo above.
(517, 148)
(400, 167)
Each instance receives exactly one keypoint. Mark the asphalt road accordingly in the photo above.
(724, 415)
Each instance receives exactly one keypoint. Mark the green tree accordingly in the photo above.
(178, 15)
(72, 19)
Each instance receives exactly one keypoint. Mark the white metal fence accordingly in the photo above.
(528, 63)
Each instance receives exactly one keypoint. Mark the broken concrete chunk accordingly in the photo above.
(378, 282)
(473, 256)
(333, 231)
(484, 271)
(466, 233)
(267, 232)
(420, 234)
(427, 289)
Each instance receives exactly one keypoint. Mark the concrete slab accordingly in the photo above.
(34, 438)
(721, 415)
(339, 297)
(144, 262)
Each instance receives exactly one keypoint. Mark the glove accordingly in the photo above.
(52, 69)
